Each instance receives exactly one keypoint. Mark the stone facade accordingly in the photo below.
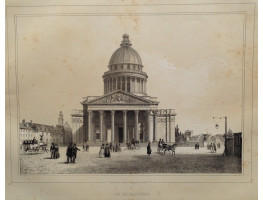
(125, 111)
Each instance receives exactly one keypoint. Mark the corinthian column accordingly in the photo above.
(90, 125)
(149, 126)
(112, 124)
(156, 128)
(101, 125)
(124, 126)
(136, 124)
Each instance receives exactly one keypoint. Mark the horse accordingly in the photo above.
(166, 147)
(169, 148)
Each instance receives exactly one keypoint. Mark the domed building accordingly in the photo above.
(125, 111)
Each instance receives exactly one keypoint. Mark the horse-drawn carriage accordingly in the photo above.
(163, 147)
(33, 146)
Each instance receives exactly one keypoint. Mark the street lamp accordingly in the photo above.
(225, 129)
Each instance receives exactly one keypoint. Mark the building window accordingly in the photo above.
(128, 84)
(138, 85)
(97, 136)
(110, 84)
(123, 84)
(129, 67)
(114, 84)
(119, 83)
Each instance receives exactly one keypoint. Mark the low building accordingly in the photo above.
(60, 134)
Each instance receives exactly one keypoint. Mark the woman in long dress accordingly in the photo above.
(107, 151)
(101, 153)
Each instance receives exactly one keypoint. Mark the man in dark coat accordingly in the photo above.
(69, 153)
(214, 146)
(52, 150)
(75, 149)
(149, 150)
(56, 152)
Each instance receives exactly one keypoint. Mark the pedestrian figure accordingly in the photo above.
(111, 146)
(87, 146)
(119, 147)
(75, 150)
(101, 153)
(116, 147)
(162, 142)
(214, 145)
(69, 153)
(149, 150)
(52, 150)
(34, 141)
(107, 151)
(56, 152)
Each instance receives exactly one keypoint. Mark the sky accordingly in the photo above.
(194, 64)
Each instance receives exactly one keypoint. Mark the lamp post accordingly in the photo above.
(225, 130)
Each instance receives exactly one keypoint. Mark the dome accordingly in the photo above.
(125, 54)
(125, 71)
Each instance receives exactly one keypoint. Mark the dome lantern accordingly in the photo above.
(125, 41)
(125, 70)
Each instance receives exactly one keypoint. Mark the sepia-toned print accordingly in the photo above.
(131, 99)
(125, 131)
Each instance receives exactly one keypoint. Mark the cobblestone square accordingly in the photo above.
(185, 160)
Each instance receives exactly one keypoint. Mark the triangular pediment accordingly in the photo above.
(120, 97)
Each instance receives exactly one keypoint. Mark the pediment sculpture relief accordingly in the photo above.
(118, 98)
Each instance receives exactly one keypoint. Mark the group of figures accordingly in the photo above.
(115, 147)
(197, 146)
(85, 146)
(33, 146)
(33, 141)
(54, 151)
(105, 151)
(212, 147)
(133, 144)
(72, 153)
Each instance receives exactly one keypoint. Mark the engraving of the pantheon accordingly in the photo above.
(125, 111)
